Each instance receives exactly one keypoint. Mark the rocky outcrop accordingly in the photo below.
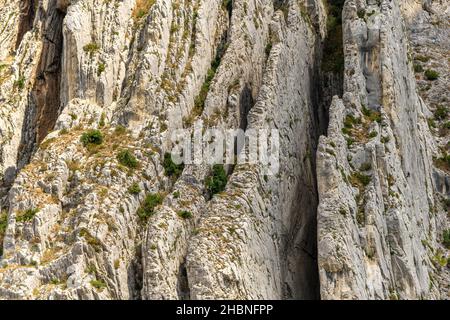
(379, 216)
(92, 96)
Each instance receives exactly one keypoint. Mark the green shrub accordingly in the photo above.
(98, 284)
(93, 137)
(218, 180)
(185, 214)
(372, 115)
(350, 142)
(431, 74)
(358, 179)
(361, 13)
(441, 113)
(3, 225)
(346, 131)
(3, 222)
(147, 208)
(446, 238)
(333, 51)
(431, 123)
(101, 67)
(126, 158)
(199, 103)
(170, 168)
(373, 134)
(418, 68)
(350, 121)
(91, 48)
(26, 215)
(20, 83)
(101, 122)
(176, 194)
(134, 188)
(447, 125)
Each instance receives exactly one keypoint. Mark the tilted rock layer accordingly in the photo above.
(91, 92)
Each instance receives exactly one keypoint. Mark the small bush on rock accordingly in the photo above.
(98, 284)
(151, 201)
(441, 113)
(185, 214)
(446, 238)
(91, 48)
(91, 137)
(418, 68)
(3, 225)
(126, 158)
(20, 83)
(134, 188)
(431, 74)
(170, 168)
(218, 180)
(27, 215)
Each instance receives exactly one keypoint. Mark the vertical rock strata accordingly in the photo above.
(359, 205)
(379, 216)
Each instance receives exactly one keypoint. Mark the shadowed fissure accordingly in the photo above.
(43, 106)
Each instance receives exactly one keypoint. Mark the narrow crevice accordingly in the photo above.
(135, 275)
(327, 81)
(183, 290)
(44, 106)
(246, 102)
(331, 78)
(28, 9)
(326, 78)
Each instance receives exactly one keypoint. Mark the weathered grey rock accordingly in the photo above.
(358, 213)
(379, 216)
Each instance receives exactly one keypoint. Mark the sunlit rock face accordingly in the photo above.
(93, 95)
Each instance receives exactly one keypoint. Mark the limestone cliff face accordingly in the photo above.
(380, 214)
(357, 209)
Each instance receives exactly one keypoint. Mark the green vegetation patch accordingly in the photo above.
(185, 214)
(98, 284)
(26, 215)
(171, 169)
(126, 158)
(371, 115)
(441, 113)
(92, 137)
(20, 83)
(147, 208)
(359, 180)
(134, 188)
(431, 74)
(446, 238)
(217, 181)
(101, 67)
(3, 225)
(333, 51)
(91, 48)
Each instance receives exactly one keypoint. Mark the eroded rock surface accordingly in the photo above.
(91, 92)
